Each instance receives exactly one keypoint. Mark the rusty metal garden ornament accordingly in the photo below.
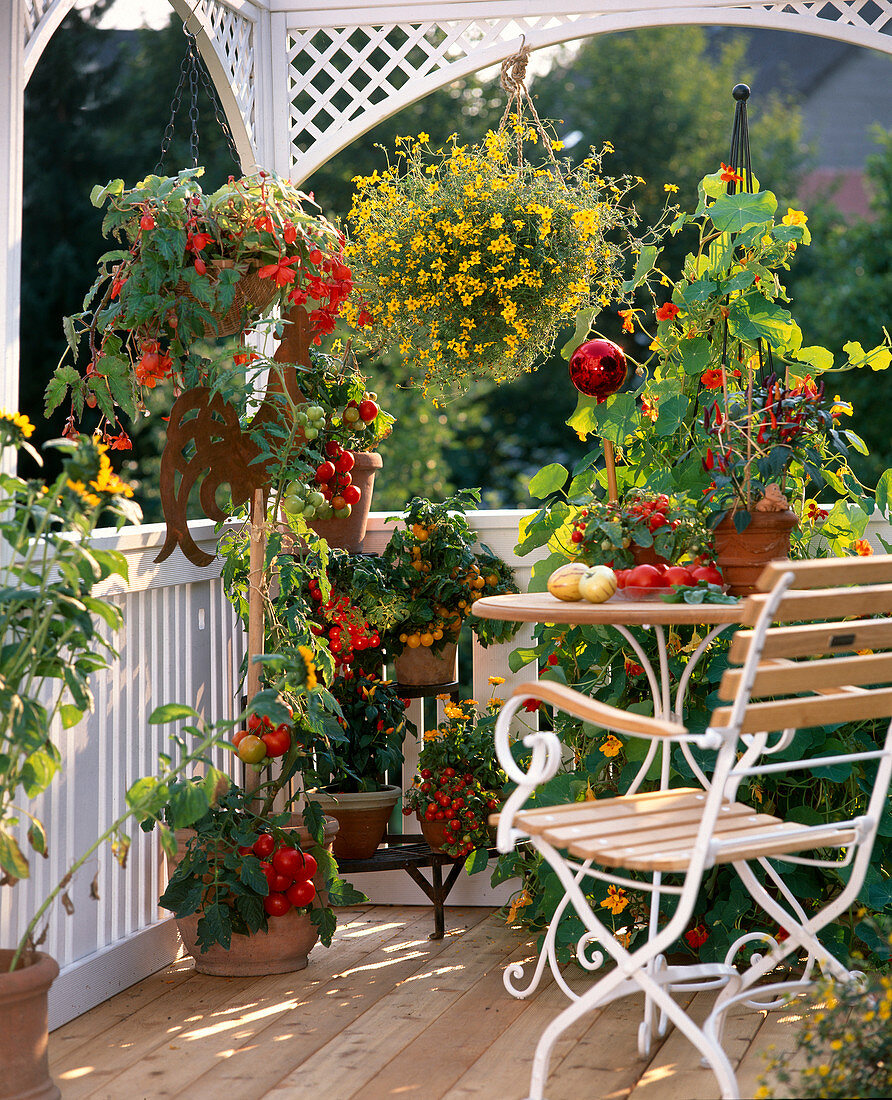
(204, 434)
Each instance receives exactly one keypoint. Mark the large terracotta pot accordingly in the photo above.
(362, 818)
(24, 1071)
(423, 668)
(283, 948)
(348, 533)
(742, 555)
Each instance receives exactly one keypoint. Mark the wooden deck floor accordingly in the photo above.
(385, 1013)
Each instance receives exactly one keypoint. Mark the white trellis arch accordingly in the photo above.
(300, 79)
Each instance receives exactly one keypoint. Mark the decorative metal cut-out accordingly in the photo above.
(204, 434)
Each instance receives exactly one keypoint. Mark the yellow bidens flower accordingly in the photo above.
(20, 422)
(309, 665)
(496, 681)
(107, 481)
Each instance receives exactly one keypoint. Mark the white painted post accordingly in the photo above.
(12, 125)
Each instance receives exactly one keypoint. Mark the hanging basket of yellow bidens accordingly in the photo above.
(469, 259)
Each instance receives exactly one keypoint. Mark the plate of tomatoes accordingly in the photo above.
(651, 582)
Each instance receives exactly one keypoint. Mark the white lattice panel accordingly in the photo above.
(233, 37)
(348, 70)
(33, 13)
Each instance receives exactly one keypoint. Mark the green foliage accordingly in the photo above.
(51, 644)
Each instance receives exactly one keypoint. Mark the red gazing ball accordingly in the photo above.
(598, 368)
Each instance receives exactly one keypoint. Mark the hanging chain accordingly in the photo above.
(194, 69)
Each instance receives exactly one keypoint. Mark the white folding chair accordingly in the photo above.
(793, 677)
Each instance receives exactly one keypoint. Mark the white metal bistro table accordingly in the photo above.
(621, 614)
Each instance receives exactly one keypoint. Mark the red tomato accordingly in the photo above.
(239, 737)
(351, 494)
(309, 865)
(656, 521)
(707, 573)
(277, 905)
(325, 471)
(254, 722)
(301, 894)
(264, 846)
(277, 742)
(346, 461)
(268, 872)
(644, 576)
(290, 862)
(278, 884)
(368, 410)
(678, 574)
(622, 576)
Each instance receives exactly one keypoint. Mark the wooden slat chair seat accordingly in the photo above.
(811, 673)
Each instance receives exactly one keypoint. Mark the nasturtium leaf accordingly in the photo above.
(584, 320)
(733, 213)
(884, 493)
(477, 861)
(695, 355)
(752, 317)
(548, 480)
(878, 358)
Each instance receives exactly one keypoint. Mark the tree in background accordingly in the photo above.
(844, 287)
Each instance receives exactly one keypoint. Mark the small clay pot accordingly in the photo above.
(362, 818)
(24, 1070)
(423, 668)
(434, 832)
(348, 533)
(742, 555)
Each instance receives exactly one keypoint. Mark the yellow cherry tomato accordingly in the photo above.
(427, 639)
(413, 641)
(251, 749)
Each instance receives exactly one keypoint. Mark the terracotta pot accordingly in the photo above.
(362, 817)
(646, 555)
(348, 533)
(434, 832)
(286, 945)
(24, 1072)
(421, 667)
(742, 555)
(252, 296)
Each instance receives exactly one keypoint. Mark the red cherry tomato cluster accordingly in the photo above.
(261, 739)
(343, 625)
(335, 480)
(668, 576)
(458, 800)
(288, 872)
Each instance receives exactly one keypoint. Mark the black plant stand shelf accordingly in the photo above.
(410, 852)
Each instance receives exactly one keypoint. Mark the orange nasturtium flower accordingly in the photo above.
(611, 746)
(729, 175)
(712, 378)
(794, 217)
(862, 547)
(617, 899)
(668, 311)
(628, 316)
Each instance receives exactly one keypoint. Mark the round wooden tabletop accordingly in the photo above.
(542, 607)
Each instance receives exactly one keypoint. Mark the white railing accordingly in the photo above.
(180, 643)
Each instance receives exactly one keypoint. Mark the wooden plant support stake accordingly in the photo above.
(256, 562)
(610, 467)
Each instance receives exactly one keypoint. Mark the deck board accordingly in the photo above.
(385, 1013)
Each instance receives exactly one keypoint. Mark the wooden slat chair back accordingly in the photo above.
(817, 651)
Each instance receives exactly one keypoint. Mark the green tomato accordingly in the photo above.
(342, 513)
(309, 512)
(324, 511)
(294, 506)
(311, 432)
(316, 499)
(316, 412)
(251, 749)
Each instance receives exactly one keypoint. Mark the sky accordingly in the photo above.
(129, 14)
